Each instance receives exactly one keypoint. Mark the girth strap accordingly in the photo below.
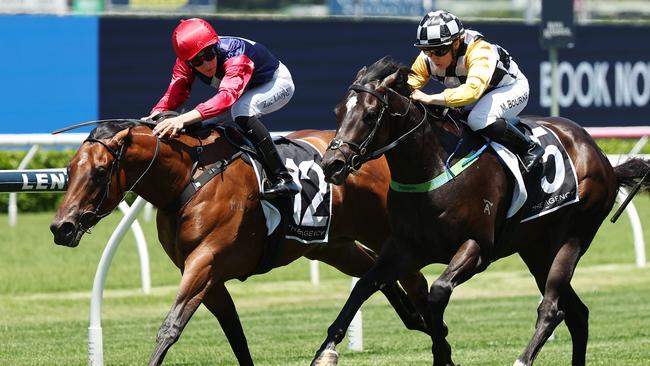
(194, 185)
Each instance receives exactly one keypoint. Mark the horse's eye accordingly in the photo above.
(371, 118)
(99, 175)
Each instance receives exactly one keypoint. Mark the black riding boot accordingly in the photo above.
(504, 133)
(283, 184)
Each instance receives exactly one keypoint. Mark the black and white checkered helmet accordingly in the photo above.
(438, 28)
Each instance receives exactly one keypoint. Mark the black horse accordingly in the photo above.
(463, 221)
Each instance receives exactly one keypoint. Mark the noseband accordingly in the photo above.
(354, 161)
(88, 217)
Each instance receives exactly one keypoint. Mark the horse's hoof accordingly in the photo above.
(328, 357)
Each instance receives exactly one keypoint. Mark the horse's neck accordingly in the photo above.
(169, 174)
(423, 154)
(177, 161)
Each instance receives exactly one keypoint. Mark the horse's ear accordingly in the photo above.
(360, 73)
(390, 80)
(121, 136)
(397, 81)
(403, 75)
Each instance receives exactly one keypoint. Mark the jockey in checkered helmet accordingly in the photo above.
(437, 29)
(479, 76)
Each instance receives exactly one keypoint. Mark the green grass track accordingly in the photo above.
(45, 297)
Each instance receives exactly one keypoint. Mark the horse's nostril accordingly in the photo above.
(54, 226)
(64, 233)
(335, 171)
(337, 165)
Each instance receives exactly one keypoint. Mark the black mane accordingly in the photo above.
(384, 67)
(109, 129)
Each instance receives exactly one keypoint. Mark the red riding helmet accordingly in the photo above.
(191, 36)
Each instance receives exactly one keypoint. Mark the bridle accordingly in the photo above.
(358, 156)
(87, 218)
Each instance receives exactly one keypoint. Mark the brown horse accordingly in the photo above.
(219, 234)
(463, 222)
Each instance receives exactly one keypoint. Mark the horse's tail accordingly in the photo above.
(631, 172)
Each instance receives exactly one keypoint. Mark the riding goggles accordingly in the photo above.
(438, 51)
(207, 54)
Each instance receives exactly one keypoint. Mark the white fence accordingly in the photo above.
(95, 346)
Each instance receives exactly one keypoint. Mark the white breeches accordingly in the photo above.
(503, 102)
(265, 98)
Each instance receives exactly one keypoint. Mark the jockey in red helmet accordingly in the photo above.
(480, 76)
(192, 36)
(249, 80)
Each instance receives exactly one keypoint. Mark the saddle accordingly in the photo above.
(202, 173)
(541, 191)
(556, 184)
(304, 218)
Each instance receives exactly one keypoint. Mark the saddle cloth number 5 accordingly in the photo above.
(551, 151)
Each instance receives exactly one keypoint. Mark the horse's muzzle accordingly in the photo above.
(335, 170)
(66, 233)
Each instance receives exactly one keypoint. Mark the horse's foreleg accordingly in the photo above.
(382, 272)
(417, 290)
(405, 308)
(549, 313)
(410, 303)
(465, 263)
(220, 304)
(193, 286)
(577, 320)
(351, 259)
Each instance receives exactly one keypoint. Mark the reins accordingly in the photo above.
(115, 167)
(359, 157)
(101, 121)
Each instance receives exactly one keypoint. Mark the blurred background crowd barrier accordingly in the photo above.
(528, 10)
(71, 61)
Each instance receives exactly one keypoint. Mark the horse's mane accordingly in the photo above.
(109, 129)
(384, 67)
